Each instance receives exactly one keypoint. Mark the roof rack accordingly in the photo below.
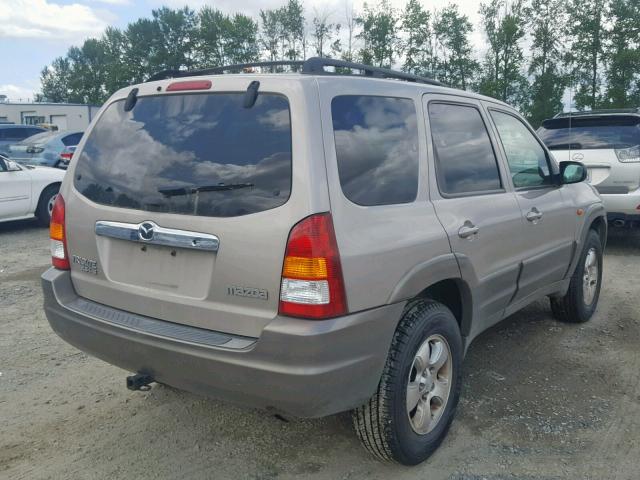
(602, 111)
(311, 66)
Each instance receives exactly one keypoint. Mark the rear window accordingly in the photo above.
(590, 133)
(193, 154)
(377, 148)
(72, 139)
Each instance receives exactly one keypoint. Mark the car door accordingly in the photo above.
(549, 215)
(15, 190)
(474, 203)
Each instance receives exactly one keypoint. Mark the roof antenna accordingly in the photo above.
(252, 94)
(131, 100)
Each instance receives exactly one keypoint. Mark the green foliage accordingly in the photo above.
(588, 47)
(588, 34)
(379, 34)
(417, 46)
(504, 26)
(548, 80)
(454, 60)
(623, 55)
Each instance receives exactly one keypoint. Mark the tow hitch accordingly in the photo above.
(139, 381)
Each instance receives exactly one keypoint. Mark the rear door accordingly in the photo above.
(186, 201)
(474, 203)
(549, 213)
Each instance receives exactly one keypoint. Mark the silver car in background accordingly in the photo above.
(50, 149)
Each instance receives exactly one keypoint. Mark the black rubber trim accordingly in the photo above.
(157, 327)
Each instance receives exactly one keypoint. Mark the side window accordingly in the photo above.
(527, 159)
(377, 148)
(465, 160)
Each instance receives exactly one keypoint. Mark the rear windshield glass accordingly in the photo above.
(194, 154)
(590, 133)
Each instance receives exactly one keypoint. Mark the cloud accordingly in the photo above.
(16, 92)
(43, 19)
(113, 2)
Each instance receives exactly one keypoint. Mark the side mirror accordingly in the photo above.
(572, 172)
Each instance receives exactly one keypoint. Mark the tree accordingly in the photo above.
(417, 48)
(504, 27)
(379, 34)
(177, 37)
(587, 29)
(351, 22)
(548, 20)
(623, 55)
(321, 32)
(271, 33)
(454, 61)
(55, 80)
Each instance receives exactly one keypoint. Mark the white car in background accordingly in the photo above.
(608, 143)
(27, 191)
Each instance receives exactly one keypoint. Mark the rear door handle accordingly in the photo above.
(468, 230)
(533, 215)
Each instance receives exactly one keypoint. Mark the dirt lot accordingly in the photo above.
(541, 400)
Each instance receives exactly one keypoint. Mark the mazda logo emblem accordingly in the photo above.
(578, 156)
(145, 231)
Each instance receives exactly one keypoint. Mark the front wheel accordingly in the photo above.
(410, 413)
(581, 300)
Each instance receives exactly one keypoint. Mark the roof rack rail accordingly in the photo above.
(600, 111)
(311, 66)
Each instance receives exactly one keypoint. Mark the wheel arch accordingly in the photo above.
(438, 279)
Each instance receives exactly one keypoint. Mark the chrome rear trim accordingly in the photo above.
(149, 232)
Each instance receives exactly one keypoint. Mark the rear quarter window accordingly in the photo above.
(192, 154)
(376, 141)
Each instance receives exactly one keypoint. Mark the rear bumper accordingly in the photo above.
(623, 203)
(298, 367)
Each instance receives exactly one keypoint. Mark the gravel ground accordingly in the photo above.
(541, 400)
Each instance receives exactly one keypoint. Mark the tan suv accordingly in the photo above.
(315, 242)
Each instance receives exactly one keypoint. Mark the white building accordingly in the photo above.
(67, 116)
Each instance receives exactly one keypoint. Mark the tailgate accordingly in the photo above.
(180, 209)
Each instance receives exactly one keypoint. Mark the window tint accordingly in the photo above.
(526, 157)
(377, 148)
(192, 154)
(614, 131)
(18, 134)
(465, 160)
(72, 139)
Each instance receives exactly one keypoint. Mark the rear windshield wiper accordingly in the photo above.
(190, 190)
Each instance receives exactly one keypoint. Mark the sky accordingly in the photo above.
(34, 32)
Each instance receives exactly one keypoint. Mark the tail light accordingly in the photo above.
(312, 284)
(35, 149)
(66, 156)
(59, 256)
(628, 155)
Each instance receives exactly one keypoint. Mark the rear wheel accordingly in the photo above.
(581, 300)
(45, 204)
(410, 414)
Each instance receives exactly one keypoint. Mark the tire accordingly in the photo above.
(385, 426)
(47, 197)
(578, 305)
